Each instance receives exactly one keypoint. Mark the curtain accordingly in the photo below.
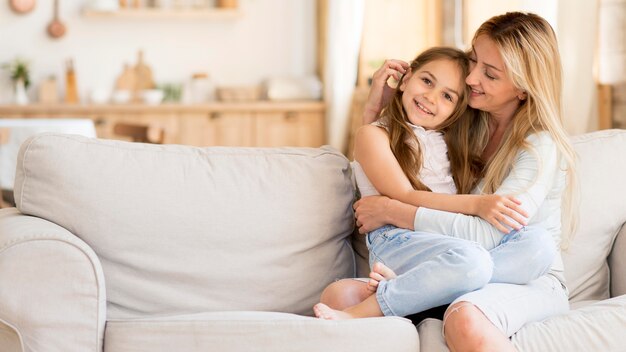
(612, 42)
(577, 33)
(340, 51)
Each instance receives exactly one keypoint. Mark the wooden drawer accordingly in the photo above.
(292, 129)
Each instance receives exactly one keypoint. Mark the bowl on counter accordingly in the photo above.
(121, 96)
(152, 96)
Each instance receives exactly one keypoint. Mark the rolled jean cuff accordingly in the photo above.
(382, 303)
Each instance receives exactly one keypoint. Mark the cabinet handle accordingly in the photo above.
(99, 121)
(291, 115)
(214, 116)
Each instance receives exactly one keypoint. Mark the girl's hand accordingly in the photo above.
(380, 92)
(500, 211)
(370, 213)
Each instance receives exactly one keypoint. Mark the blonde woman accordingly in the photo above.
(515, 82)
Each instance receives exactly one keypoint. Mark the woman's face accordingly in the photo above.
(491, 88)
(431, 93)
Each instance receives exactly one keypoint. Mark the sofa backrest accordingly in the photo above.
(601, 174)
(181, 229)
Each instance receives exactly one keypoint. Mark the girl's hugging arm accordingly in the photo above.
(373, 152)
(532, 177)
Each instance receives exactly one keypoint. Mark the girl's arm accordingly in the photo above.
(372, 151)
(380, 92)
(533, 177)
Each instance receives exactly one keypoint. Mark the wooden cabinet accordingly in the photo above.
(105, 123)
(297, 129)
(218, 129)
(255, 124)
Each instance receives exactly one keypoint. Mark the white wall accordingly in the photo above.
(271, 38)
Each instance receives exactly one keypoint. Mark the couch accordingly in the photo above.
(118, 246)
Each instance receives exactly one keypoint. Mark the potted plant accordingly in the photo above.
(20, 75)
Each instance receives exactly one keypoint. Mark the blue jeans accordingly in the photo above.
(434, 269)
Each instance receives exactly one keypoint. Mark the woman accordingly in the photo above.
(515, 81)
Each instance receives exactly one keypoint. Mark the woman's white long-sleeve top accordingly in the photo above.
(537, 178)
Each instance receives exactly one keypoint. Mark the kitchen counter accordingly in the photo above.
(253, 124)
(257, 106)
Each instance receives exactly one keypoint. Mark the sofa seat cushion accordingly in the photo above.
(260, 331)
(181, 229)
(595, 326)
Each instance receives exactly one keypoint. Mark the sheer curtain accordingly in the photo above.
(577, 32)
(343, 28)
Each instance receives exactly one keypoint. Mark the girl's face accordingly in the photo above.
(491, 88)
(431, 93)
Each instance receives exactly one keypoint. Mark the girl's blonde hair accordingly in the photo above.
(405, 145)
(530, 53)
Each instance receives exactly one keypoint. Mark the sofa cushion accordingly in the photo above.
(181, 229)
(594, 327)
(260, 331)
(601, 212)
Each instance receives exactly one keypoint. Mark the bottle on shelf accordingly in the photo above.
(71, 90)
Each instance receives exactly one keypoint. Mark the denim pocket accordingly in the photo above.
(397, 237)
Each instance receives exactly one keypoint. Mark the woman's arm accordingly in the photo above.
(373, 153)
(532, 177)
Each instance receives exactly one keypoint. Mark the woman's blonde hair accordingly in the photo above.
(405, 145)
(530, 53)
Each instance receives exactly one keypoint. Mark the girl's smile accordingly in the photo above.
(431, 93)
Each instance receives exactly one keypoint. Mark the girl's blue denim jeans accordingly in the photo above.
(434, 269)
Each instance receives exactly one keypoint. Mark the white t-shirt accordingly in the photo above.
(435, 171)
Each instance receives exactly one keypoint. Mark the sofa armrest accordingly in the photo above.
(52, 292)
(617, 264)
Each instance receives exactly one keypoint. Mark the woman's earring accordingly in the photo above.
(522, 96)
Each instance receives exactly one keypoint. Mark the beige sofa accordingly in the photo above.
(118, 246)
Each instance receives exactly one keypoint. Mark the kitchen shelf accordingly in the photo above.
(153, 14)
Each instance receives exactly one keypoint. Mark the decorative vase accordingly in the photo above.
(20, 96)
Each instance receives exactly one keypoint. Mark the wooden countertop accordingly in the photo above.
(256, 106)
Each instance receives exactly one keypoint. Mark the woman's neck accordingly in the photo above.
(498, 124)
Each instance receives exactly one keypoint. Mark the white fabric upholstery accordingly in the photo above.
(218, 233)
(595, 327)
(179, 229)
(260, 331)
(52, 292)
(602, 212)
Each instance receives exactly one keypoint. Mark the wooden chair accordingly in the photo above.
(140, 133)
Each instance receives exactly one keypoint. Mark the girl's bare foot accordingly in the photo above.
(323, 311)
(345, 293)
(365, 309)
(379, 272)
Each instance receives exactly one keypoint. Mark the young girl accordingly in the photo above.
(416, 148)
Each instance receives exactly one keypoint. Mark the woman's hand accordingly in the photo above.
(380, 92)
(500, 211)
